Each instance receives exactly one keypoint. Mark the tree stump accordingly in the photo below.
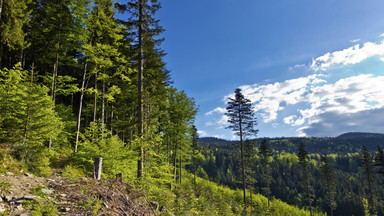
(97, 168)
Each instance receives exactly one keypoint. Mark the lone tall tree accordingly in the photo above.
(242, 121)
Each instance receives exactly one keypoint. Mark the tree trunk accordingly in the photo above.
(55, 68)
(103, 107)
(140, 165)
(95, 100)
(21, 58)
(175, 164)
(1, 7)
(242, 159)
(168, 148)
(194, 168)
(1, 54)
(111, 119)
(80, 106)
(181, 173)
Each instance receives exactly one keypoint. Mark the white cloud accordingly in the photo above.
(218, 110)
(271, 98)
(335, 123)
(351, 55)
(347, 96)
(297, 67)
(312, 96)
(202, 133)
(354, 40)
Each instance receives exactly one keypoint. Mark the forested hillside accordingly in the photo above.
(81, 79)
(344, 156)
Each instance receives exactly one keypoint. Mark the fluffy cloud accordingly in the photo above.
(346, 96)
(315, 102)
(218, 110)
(351, 55)
(335, 123)
(270, 99)
(202, 133)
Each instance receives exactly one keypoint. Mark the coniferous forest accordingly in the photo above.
(81, 79)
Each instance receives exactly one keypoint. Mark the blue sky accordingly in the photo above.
(311, 68)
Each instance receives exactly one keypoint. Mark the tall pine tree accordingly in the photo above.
(242, 121)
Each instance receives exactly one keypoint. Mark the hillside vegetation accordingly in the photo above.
(220, 159)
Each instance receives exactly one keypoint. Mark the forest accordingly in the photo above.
(219, 162)
(81, 79)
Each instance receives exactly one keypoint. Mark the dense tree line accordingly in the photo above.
(338, 182)
(87, 78)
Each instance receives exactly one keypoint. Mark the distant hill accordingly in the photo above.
(361, 135)
(347, 142)
(212, 140)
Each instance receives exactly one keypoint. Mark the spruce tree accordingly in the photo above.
(329, 183)
(242, 121)
(14, 17)
(379, 163)
(367, 163)
(51, 34)
(152, 77)
(182, 112)
(195, 137)
(305, 175)
(266, 178)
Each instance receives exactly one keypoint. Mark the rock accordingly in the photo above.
(2, 208)
(10, 174)
(7, 198)
(19, 208)
(66, 209)
(1, 199)
(31, 197)
(18, 202)
(30, 175)
(25, 214)
(61, 203)
(47, 191)
(63, 195)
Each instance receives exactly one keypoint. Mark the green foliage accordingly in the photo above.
(14, 18)
(38, 191)
(97, 142)
(5, 186)
(46, 208)
(72, 172)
